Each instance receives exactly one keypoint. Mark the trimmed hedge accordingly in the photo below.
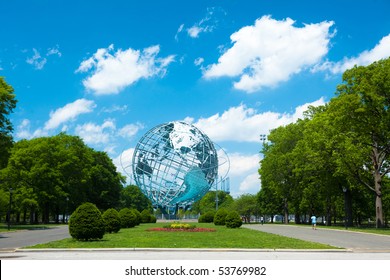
(112, 220)
(145, 216)
(233, 220)
(153, 219)
(86, 223)
(207, 217)
(128, 218)
(220, 216)
(138, 215)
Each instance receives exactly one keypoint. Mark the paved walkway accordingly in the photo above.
(355, 241)
(17, 239)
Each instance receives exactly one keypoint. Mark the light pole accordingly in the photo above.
(10, 208)
(263, 137)
(345, 207)
(216, 195)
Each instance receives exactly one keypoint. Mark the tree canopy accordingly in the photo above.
(7, 105)
(324, 163)
(133, 198)
(59, 173)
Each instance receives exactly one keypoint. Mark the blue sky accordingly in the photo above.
(109, 71)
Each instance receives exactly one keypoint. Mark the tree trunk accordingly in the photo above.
(328, 216)
(379, 211)
(46, 214)
(378, 200)
(31, 216)
(285, 211)
(348, 209)
(378, 188)
(298, 218)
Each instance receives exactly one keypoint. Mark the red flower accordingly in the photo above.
(181, 229)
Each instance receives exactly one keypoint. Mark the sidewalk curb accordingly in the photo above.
(181, 250)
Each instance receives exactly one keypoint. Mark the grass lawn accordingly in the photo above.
(385, 231)
(223, 237)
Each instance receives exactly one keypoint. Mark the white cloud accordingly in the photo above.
(199, 61)
(96, 134)
(123, 163)
(244, 124)
(251, 183)
(380, 51)
(105, 135)
(36, 60)
(69, 112)
(243, 172)
(179, 30)
(241, 164)
(128, 131)
(23, 131)
(206, 24)
(113, 71)
(54, 51)
(195, 31)
(115, 108)
(270, 52)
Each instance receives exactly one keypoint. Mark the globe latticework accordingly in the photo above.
(175, 164)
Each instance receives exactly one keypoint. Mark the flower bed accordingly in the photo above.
(183, 229)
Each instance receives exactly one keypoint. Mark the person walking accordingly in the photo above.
(313, 222)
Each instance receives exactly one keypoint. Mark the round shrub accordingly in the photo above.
(145, 216)
(153, 219)
(86, 223)
(111, 220)
(128, 218)
(220, 216)
(233, 220)
(207, 217)
(138, 215)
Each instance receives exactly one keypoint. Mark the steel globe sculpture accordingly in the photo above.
(175, 164)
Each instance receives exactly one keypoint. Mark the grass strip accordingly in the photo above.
(384, 231)
(140, 237)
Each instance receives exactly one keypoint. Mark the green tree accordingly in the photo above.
(60, 173)
(106, 182)
(7, 105)
(318, 167)
(361, 114)
(269, 200)
(132, 197)
(208, 202)
(277, 171)
(246, 205)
